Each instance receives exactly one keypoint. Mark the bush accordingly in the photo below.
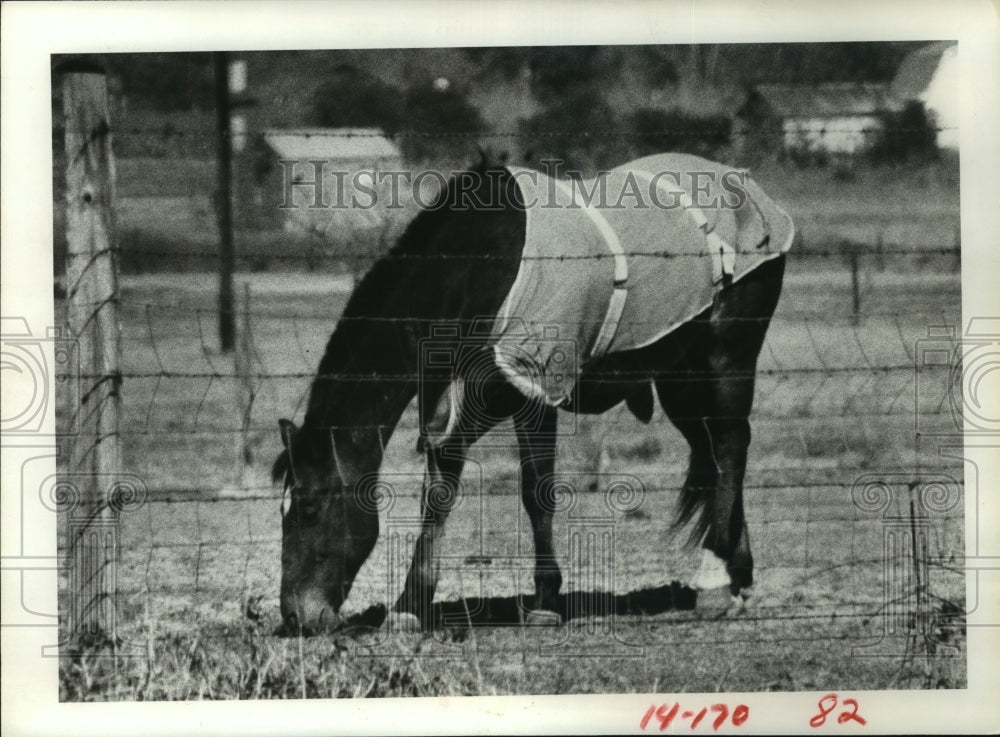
(166, 81)
(578, 130)
(560, 70)
(355, 99)
(432, 113)
(652, 130)
(906, 136)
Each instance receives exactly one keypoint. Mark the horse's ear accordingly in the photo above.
(343, 459)
(490, 157)
(282, 465)
(287, 429)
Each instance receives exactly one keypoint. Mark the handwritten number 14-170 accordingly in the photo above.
(665, 715)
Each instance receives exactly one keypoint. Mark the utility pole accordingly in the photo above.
(224, 202)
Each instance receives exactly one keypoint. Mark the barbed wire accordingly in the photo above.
(624, 422)
(784, 314)
(862, 375)
(639, 376)
(332, 253)
(173, 130)
(813, 363)
(203, 538)
(628, 605)
(902, 476)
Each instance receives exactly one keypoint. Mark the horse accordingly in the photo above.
(456, 264)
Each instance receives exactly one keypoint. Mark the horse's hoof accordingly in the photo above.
(738, 603)
(542, 618)
(713, 603)
(719, 602)
(402, 622)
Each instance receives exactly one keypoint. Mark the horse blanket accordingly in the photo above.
(616, 262)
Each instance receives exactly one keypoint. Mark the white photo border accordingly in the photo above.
(31, 32)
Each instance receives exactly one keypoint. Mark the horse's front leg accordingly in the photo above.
(440, 490)
(446, 452)
(537, 445)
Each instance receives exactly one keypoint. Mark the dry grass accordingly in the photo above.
(669, 655)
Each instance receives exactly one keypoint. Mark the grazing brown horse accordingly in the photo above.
(454, 265)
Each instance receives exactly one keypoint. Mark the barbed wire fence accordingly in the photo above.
(841, 389)
(846, 383)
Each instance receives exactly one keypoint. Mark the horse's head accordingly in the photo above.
(327, 532)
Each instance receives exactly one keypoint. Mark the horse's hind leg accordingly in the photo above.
(738, 327)
(711, 413)
(709, 398)
(537, 445)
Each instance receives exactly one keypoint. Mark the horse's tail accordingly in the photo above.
(696, 502)
(281, 466)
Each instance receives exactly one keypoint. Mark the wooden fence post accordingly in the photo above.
(245, 390)
(855, 287)
(94, 456)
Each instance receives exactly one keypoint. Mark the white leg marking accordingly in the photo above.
(712, 573)
(402, 622)
(542, 618)
(455, 390)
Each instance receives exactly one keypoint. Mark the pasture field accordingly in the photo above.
(837, 402)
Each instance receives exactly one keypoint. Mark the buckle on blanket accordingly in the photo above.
(723, 258)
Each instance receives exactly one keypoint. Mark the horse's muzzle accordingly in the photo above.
(308, 615)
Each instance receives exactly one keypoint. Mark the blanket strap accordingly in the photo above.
(616, 306)
(723, 255)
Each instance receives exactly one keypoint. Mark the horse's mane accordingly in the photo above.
(395, 292)
(416, 239)
(392, 286)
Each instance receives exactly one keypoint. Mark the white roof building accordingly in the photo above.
(365, 145)
(930, 75)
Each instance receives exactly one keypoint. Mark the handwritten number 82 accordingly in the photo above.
(828, 703)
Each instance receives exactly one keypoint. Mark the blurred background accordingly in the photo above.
(839, 132)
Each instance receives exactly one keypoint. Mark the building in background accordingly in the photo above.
(842, 119)
(836, 119)
(930, 75)
(274, 170)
